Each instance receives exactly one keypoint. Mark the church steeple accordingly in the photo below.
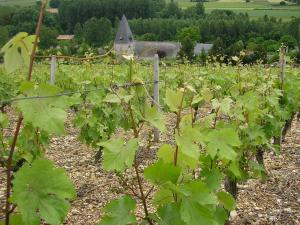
(124, 34)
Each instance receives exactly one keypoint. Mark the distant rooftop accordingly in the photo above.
(124, 34)
(65, 37)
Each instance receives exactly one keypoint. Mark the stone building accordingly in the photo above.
(125, 45)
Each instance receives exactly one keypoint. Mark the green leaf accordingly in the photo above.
(17, 51)
(234, 168)
(193, 213)
(112, 98)
(198, 192)
(155, 118)
(174, 99)
(48, 114)
(207, 94)
(119, 155)
(221, 142)
(4, 121)
(14, 219)
(41, 192)
(188, 142)
(212, 178)
(226, 200)
(118, 97)
(119, 212)
(170, 214)
(166, 153)
(220, 215)
(163, 196)
(161, 172)
(223, 106)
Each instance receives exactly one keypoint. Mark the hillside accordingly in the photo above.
(255, 9)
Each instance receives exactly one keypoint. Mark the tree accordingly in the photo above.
(192, 32)
(289, 41)
(294, 29)
(218, 46)
(97, 32)
(200, 10)
(196, 11)
(172, 10)
(4, 35)
(48, 37)
(235, 49)
(54, 3)
(188, 38)
(78, 32)
(187, 48)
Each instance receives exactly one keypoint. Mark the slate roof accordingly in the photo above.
(124, 34)
(202, 47)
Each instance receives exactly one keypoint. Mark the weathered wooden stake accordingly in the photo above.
(52, 70)
(282, 62)
(156, 91)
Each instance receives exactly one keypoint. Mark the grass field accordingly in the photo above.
(17, 2)
(255, 8)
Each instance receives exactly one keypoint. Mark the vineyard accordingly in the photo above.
(196, 155)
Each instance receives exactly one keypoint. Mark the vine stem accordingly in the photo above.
(135, 165)
(36, 40)
(178, 129)
(142, 192)
(8, 211)
(9, 168)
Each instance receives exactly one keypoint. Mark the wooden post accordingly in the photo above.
(156, 91)
(52, 70)
(282, 62)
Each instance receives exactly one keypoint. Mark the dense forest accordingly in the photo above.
(94, 23)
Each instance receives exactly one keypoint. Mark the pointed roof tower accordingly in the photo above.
(124, 34)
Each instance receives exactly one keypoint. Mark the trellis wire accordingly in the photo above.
(114, 86)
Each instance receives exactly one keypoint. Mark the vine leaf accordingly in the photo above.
(14, 219)
(227, 200)
(118, 155)
(155, 118)
(17, 51)
(166, 153)
(222, 142)
(220, 215)
(224, 105)
(198, 192)
(4, 121)
(49, 113)
(197, 204)
(173, 99)
(193, 213)
(41, 191)
(212, 178)
(119, 212)
(234, 168)
(161, 172)
(187, 142)
(170, 214)
(118, 97)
